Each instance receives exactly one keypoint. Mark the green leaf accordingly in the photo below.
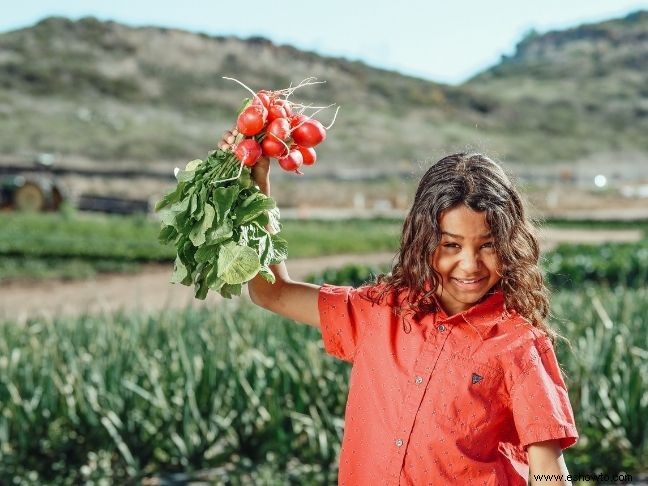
(244, 104)
(168, 217)
(179, 271)
(212, 279)
(197, 234)
(169, 199)
(246, 179)
(237, 264)
(167, 234)
(228, 290)
(251, 198)
(206, 253)
(265, 249)
(201, 290)
(280, 250)
(185, 175)
(193, 165)
(267, 274)
(273, 220)
(253, 209)
(184, 222)
(198, 201)
(224, 198)
(186, 252)
(219, 234)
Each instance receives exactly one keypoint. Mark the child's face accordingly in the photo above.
(465, 259)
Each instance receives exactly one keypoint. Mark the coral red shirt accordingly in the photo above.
(455, 400)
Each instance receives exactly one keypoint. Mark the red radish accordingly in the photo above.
(286, 106)
(273, 147)
(308, 154)
(264, 97)
(309, 134)
(279, 127)
(276, 111)
(297, 119)
(251, 120)
(248, 151)
(291, 162)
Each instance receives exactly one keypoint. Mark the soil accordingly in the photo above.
(150, 290)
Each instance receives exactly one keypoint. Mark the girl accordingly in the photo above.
(454, 377)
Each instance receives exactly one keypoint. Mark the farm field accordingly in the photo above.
(236, 395)
(123, 375)
(79, 262)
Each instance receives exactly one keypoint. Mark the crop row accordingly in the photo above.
(567, 266)
(236, 393)
(37, 246)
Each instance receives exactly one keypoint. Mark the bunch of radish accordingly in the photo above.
(275, 127)
(225, 230)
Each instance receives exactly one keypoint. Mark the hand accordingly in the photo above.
(228, 140)
(261, 173)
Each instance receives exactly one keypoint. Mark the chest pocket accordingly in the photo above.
(470, 397)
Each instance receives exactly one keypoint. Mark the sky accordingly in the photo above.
(446, 41)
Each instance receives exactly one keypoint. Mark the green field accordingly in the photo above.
(73, 245)
(253, 397)
(236, 393)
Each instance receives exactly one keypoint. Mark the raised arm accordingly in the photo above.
(294, 300)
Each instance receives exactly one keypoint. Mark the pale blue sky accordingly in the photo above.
(444, 41)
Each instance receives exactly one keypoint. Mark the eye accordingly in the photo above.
(490, 244)
(451, 245)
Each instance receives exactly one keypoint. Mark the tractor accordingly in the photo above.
(34, 189)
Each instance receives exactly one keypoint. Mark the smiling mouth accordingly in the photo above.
(469, 282)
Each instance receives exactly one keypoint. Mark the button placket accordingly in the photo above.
(425, 364)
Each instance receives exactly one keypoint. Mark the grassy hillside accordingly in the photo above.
(585, 87)
(110, 92)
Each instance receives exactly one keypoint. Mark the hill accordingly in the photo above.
(119, 94)
(586, 88)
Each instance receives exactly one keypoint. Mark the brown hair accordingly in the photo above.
(481, 184)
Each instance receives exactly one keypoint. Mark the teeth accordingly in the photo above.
(468, 281)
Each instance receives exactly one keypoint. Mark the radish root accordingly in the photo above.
(246, 87)
(287, 92)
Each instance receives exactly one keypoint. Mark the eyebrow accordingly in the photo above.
(459, 237)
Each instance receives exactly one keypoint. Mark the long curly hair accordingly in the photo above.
(481, 184)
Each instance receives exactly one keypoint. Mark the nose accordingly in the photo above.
(470, 262)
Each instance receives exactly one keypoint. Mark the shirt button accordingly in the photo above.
(419, 380)
(441, 327)
(399, 442)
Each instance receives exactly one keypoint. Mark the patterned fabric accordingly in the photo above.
(455, 400)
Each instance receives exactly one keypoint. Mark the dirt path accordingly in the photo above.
(151, 291)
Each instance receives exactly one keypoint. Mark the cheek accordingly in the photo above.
(493, 263)
(440, 263)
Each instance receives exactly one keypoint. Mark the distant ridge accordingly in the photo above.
(106, 91)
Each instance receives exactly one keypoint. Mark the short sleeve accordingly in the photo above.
(539, 400)
(341, 320)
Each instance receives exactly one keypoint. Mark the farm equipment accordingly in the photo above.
(31, 191)
(38, 186)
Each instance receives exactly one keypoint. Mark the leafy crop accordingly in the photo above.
(253, 398)
(217, 223)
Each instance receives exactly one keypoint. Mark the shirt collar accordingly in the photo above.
(483, 316)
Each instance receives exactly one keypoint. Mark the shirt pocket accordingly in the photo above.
(470, 396)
